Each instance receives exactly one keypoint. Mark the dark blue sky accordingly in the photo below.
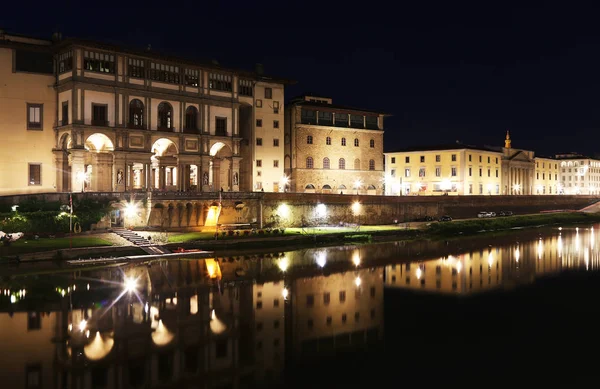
(444, 73)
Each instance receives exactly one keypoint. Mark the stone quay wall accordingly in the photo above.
(188, 210)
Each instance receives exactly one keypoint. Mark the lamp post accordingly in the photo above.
(357, 184)
(81, 177)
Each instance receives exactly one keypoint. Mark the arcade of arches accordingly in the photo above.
(94, 164)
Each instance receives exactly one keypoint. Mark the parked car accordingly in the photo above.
(445, 218)
(506, 213)
(484, 214)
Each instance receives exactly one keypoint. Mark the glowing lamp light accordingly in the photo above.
(130, 209)
(458, 266)
(284, 181)
(283, 210)
(357, 184)
(419, 273)
(357, 281)
(517, 254)
(356, 208)
(285, 293)
(130, 284)
(321, 210)
(356, 258)
(283, 264)
(82, 325)
(446, 185)
(321, 258)
(516, 187)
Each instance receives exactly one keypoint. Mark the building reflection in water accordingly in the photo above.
(492, 267)
(215, 323)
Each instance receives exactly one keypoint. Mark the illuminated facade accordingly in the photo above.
(579, 174)
(452, 169)
(87, 116)
(546, 176)
(460, 169)
(333, 149)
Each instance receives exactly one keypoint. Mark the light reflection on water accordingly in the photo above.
(154, 323)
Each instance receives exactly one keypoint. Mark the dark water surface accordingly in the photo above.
(512, 309)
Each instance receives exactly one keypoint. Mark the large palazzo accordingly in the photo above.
(85, 116)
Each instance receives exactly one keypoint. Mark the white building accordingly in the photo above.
(579, 174)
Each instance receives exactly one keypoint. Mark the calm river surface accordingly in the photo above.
(475, 312)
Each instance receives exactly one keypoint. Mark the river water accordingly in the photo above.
(512, 307)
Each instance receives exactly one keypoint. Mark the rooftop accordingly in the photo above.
(207, 64)
(312, 104)
(452, 146)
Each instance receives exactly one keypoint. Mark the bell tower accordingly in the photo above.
(507, 140)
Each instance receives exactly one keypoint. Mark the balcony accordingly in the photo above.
(100, 122)
(308, 120)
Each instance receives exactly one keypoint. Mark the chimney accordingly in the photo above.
(258, 68)
(56, 37)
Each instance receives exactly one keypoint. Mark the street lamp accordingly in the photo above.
(357, 185)
(81, 177)
(284, 182)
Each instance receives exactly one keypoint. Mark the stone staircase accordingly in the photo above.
(140, 241)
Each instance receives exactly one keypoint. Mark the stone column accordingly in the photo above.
(59, 166)
(102, 166)
(77, 169)
(203, 172)
(235, 172)
(216, 174)
(162, 177)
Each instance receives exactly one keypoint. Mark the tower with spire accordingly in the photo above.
(507, 140)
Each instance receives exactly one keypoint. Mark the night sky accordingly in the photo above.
(445, 74)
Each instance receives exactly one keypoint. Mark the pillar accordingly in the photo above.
(216, 174)
(203, 173)
(162, 177)
(77, 169)
(235, 172)
(102, 169)
(59, 166)
(119, 173)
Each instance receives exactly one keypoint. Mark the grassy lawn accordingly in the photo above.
(192, 236)
(22, 246)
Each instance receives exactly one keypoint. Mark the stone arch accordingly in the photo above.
(164, 164)
(220, 170)
(326, 188)
(99, 143)
(309, 188)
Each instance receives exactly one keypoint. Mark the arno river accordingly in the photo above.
(394, 313)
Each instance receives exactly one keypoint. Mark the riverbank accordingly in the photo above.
(332, 236)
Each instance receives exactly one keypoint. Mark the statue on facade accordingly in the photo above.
(119, 177)
(205, 178)
(235, 178)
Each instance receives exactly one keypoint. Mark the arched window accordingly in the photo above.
(309, 186)
(342, 186)
(191, 118)
(309, 163)
(357, 164)
(326, 187)
(343, 141)
(355, 142)
(165, 116)
(309, 140)
(342, 164)
(372, 164)
(326, 163)
(328, 141)
(372, 143)
(136, 114)
(371, 187)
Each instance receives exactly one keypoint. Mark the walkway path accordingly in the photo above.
(140, 242)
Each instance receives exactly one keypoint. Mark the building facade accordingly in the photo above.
(579, 174)
(103, 118)
(333, 149)
(262, 148)
(460, 169)
(448, 169)
(546, 176)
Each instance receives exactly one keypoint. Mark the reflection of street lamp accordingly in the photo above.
(81, 177)
(357, 185)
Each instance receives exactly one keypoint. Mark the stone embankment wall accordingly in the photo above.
(175, 210)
